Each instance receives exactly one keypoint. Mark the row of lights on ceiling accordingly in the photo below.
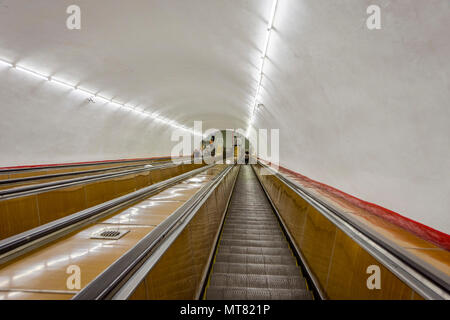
(263, 60)
(95, 96)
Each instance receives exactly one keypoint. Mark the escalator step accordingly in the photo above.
(252, 220)
(253, 226)
(255, 243)
(219, 293)
(252, 231)
(252, 268)
(250, 214)
(255, 259)
(252, 211)
(248, 220)
(241, 236)
(255, 250)
(257, 281)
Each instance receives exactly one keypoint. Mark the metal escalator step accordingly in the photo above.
(250, 230)
(258, 207)
(244, 230)
(255, 250)
(252, 225)
(257, 259)
(254, 259)
(241, 236)
(252, 268)
(220, 293)
(250, 214)
(258, 281)
(269, 220)
(259, 226)
(253, 230)
(255, 243)
(250, 210)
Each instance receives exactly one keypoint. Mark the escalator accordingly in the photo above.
(253, 259)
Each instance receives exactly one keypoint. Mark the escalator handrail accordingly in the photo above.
(18, 241)
(105, 285)
(77, 165)
(73, 173)
(430, 284)
(47, 186)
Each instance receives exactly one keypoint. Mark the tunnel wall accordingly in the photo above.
(364, 111)
(44, 123)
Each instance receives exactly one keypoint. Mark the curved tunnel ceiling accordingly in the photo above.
(361, 110)
(181, 59)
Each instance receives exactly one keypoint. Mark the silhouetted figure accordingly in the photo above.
(247, 156)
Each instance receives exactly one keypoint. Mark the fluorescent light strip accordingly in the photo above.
(272, 14)
(87, 92)
(6, 63)
(31, 72)
(263, 59)
(102, 98)
(61, 82)
(94, 95)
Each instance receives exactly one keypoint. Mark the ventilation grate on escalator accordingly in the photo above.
(108, 234)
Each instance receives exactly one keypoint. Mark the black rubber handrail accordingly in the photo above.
(68, 174)
(430, 273)
(22, 239)
(52, 185)
(109, 280)
(76, 165)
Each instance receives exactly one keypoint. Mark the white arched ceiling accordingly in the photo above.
(364, 111)
(177, 58)
(43, 123)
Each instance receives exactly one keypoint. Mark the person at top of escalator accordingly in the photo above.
(247, 157)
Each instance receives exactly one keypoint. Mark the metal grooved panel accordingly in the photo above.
(253, 259)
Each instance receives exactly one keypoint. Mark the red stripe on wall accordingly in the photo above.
(425, 232)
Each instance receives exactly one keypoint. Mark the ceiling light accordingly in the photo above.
(263, 59)
(85, 91)
(89, 93)
(6, 63)
(60, 82)
(272, 14)
(31, 72)
(99, 97)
